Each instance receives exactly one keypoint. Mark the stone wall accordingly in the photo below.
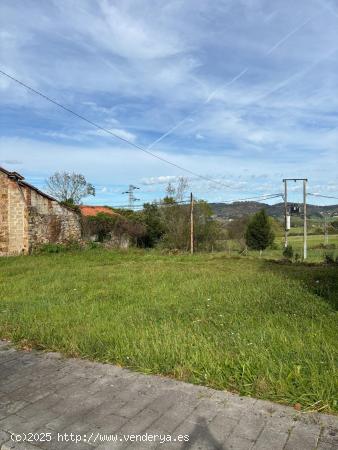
(50, 222)
(13, 217)
(29, 219)
(3, 214)
(17, 219)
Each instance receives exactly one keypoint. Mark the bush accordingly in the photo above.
(288, 252)
(93, 245)
(327, 246)
(329, 258)
(106, 226)
(57, 248)
(70, 204)
(51, 248)
(334, 224)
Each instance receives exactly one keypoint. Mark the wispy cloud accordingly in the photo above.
(124, 134)
(11, 162)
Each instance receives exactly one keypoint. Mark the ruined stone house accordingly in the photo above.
(113, 239)
(30, 218)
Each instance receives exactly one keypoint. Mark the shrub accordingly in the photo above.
(329, 258)
(69, 204)
(105, 226)
(50, 248)
(93, 245)
(334, 224)
(57, 248)
(288, 252)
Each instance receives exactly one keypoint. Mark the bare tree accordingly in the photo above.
(170, 190)
(177, 193)
(69, 187)
(181, 189)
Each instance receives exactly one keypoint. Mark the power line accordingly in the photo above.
(261, 197)
(185, 202)
(324, 196)
(99, 127)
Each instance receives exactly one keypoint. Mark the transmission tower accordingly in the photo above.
(131, 195)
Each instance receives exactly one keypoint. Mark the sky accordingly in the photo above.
(241, 92)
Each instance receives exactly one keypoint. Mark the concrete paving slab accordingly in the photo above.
(87, 405)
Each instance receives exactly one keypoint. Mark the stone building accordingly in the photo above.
(30, 218)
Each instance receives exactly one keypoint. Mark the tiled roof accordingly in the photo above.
(93, 210)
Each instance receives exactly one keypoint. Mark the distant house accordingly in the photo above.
(30, 218)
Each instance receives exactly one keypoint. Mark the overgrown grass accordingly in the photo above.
(246, 325)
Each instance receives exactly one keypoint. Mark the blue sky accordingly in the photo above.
(249, 88)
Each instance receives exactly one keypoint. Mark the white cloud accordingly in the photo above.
(162, 179)
(199, 136)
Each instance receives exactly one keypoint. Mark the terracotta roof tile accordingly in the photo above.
(94, 210)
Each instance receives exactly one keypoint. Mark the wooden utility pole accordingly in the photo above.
(191, 223)
(305, 221)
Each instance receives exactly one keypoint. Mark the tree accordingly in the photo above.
(237, 227)
(176, 193)
(69, 187)
(259, 234)
(151, 218)
(207, 231)
(175, 216)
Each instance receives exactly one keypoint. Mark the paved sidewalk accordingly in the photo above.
(45, 397)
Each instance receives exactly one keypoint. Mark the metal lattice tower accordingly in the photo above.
(131, 195)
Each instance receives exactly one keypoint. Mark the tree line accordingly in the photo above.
(165, 223)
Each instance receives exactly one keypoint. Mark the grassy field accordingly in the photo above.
(315, 252)
(247, 325)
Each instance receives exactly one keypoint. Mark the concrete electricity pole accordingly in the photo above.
(287, 217)
(285, 213)
(191, 223)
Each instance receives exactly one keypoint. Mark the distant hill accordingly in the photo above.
(240, 209)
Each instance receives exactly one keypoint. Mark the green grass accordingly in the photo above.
(315, 252)
(247, 325)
